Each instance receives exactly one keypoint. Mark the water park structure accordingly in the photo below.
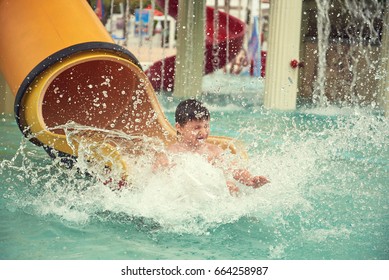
(59, 72)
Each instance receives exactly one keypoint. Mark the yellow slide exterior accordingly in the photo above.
(62, 65)
(33, 30)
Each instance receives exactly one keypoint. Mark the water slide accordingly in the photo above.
(62, 66)
(230, 36)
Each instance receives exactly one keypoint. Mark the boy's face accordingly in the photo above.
(194, 133)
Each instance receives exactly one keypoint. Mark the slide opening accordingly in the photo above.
(94, 93)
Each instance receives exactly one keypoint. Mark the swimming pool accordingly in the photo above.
(328, 197)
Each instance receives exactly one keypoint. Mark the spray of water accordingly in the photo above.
(306, 159)
(349, 52)
(323, 27)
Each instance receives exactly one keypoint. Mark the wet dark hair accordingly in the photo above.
(189, 110)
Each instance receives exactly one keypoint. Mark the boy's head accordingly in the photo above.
(192, 122)
(191, 110)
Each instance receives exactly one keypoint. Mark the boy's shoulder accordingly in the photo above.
(176, 147)
(215, 149)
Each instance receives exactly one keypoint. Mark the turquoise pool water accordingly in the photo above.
(328, 197)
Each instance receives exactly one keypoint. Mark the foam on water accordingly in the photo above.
(191, 197)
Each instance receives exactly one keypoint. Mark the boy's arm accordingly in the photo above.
(241, 175)
(161, 162)
(244, 176)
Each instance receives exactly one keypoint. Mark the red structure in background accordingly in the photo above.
(161, 74)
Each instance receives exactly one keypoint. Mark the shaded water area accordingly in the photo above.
(328, 196)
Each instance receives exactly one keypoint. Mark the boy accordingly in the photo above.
(192, 124)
